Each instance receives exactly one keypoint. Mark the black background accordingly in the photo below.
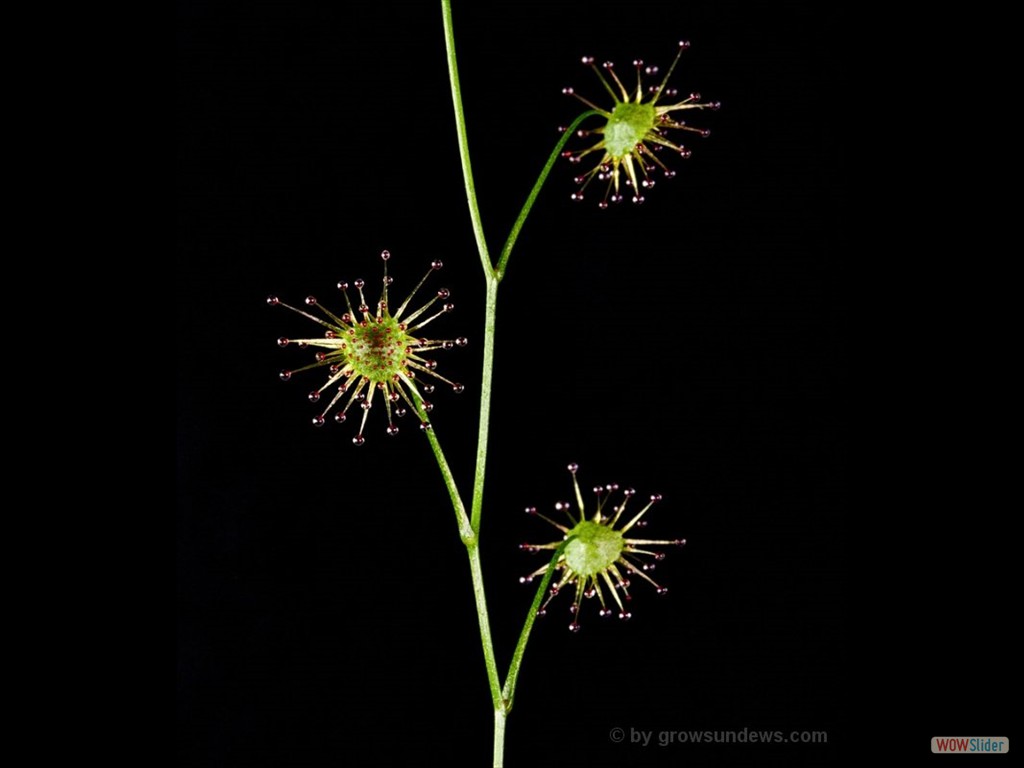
(694, 346)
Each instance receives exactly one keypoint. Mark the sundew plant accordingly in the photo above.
(374, 353)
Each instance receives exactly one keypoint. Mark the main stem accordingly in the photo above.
(487, 377)
(500, 716)
(473, 545)
(460, 127)
(501, 697)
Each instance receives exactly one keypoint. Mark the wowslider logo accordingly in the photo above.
(970, 745)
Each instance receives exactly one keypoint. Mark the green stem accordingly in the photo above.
(460, 126)
(508, 692)
(506, 250)
(466, 532)
(487, 376)
(493, 679)
(500, 715)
